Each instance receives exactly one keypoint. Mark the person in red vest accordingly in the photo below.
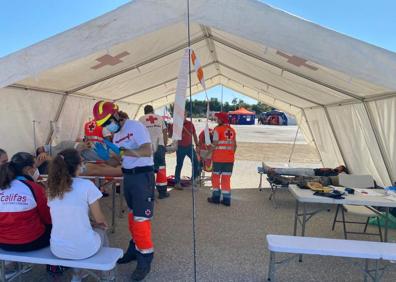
(224, 146)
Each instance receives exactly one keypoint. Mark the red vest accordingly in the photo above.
(93, 132)
(224, 151)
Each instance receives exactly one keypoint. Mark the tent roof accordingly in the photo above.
(132, 55)
(241, 111)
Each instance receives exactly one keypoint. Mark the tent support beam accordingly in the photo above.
(58, 92)
(380, 96)
(271, 85)
(313, 136)
(211, 47)
(252, 55)
(374, 128)
(141, 64)
(334, 134)
(160, 84)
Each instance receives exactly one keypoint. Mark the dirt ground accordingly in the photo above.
(279, 153)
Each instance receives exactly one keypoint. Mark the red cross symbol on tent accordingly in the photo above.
(108, 60)
(151, 119)
(297, 61)
(228, 134)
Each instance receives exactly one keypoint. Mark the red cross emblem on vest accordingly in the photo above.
(92, 126)
(228, 134)
(151, 119)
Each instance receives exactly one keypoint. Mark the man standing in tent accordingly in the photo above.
(159, 139)
(133, 140)
(224, 146)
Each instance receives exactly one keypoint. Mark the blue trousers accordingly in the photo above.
(181, 153)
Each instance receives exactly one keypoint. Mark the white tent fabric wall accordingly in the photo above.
(18, 109)
(131, 55)
(384, 116)
(357, 141)
(324, 137)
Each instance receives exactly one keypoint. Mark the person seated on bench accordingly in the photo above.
(70, 199)
(3, 157)
(304, 171)
(25, 221)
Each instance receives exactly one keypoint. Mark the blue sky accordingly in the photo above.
(25, 22)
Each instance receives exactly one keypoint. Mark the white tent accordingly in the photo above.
(341, 90)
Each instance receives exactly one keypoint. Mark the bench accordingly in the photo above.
(104, 260)
(330, 247)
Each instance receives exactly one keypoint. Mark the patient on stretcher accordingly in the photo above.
(95, 164)
(300, 176)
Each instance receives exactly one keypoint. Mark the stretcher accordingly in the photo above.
(104, 180)
(274, 185)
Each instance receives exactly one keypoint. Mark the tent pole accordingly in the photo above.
(34, 134)
(57, 116)
(221, 105)
(137, 111)
(378, 140)
(313, 137)
(334, 134)
(192, 147)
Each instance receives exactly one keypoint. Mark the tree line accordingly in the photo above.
(199, 107)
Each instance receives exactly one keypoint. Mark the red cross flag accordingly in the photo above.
(200, 75)
(198, 68)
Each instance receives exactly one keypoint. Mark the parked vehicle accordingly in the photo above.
(273, 118)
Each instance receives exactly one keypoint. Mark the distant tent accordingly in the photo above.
(242, 116)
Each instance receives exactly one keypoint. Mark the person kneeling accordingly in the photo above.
(70, 199)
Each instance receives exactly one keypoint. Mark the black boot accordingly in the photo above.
(143, 266)
(163, 195)
(162, 191)
(129, 255)
(215, 199)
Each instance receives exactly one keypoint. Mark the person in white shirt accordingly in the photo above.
(159, 139)
(70, 200)
(133, 139)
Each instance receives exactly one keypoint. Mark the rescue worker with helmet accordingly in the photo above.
(98, 137)
(224, 146)
(159, 139)
(133, 140)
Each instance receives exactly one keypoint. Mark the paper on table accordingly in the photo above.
(368, 192)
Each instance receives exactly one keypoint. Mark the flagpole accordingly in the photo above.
(221, 105)
(192, 147)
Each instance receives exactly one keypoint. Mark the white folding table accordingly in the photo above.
(306, 196)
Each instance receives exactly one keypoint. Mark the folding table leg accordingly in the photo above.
(343, 222)
(303, 227)
(376, 278)
(3, 270)
(113, 223)
(296, 218)
(386, 224)
(271, 269)
(121, 195)
(335, 217)
(366, 269)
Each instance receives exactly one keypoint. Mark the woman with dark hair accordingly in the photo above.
(70, 200)
(3, 157)
(25, 221)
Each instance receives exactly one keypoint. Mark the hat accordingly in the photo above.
(223, 116)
